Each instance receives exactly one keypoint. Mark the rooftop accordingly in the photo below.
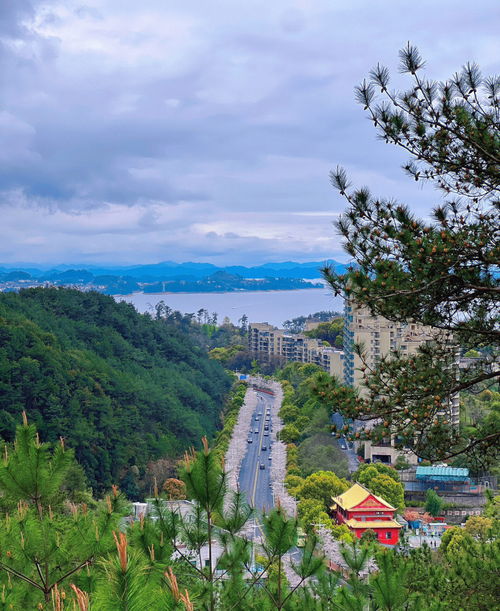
(352, 523)
(356, 494)
(442, 473)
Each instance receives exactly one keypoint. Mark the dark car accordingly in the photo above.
(262, 465)
(264, 448)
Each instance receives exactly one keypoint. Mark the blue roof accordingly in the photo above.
(442, 473)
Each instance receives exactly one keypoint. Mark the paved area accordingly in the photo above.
(254, 475)
(419, 540)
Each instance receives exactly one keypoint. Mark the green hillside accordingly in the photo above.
(122, 388)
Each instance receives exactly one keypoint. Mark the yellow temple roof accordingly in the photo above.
(356, 495)
(352, 523)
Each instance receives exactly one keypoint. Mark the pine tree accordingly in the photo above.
(442, 273)
(42, 543)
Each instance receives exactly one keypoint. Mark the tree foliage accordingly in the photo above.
(42, 543)
(121, 388)
(330, 332)
(442, 273)
(382, 480)
(433, 503)
(69, 555)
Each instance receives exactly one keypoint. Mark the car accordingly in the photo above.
(266, 433)
(250, 440)
(256, 431)
(257, 418)
(264, 448)
(269, 457)
(262, 466)
(266, 427)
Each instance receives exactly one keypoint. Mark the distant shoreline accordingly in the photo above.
(299, 288)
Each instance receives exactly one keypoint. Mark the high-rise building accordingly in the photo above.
(378, 338)
(267, 341)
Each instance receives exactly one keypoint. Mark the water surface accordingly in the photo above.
(273, 307)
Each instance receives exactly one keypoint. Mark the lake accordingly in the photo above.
(273, 307)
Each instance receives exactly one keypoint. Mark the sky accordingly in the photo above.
(205, 130)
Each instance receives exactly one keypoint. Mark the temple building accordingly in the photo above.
(361, 510)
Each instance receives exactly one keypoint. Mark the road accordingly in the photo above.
(344, 444)
(253, 480)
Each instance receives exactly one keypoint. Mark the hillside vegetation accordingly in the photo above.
(122, 388)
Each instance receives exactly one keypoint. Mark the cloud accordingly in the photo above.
(204, 129)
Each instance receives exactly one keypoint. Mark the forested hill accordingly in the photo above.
(122, 388)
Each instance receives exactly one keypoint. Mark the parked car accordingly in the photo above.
(250, 440)
(264, 448)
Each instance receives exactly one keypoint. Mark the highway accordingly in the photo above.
(344, 444)
(253, 480)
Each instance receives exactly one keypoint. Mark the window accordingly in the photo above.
(388, 535)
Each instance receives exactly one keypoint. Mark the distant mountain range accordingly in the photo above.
(169, 269)
(167, 276)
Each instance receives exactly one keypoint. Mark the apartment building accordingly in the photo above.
(380, 337)
(267, 341)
